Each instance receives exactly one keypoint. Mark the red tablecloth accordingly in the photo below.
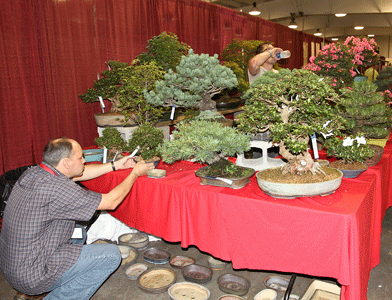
(335, 236)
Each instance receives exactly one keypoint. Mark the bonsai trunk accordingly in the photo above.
(115, 104)
(206, 102)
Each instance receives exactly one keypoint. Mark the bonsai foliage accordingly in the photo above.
(292, 105)
(364, 51)
(365, 110)
(204, 142)
(112, 140)
(148, 138)
(236, 56)
(384, 83)
(196, 80)
(135, 79)
(107, 86)
(350, 149)
(165, 50)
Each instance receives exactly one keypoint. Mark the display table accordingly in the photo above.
(336, 236)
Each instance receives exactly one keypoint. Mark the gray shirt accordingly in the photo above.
(39, 221)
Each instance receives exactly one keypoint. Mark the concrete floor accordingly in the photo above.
(118, 286)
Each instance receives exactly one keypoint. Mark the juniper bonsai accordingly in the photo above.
(196, 80)
(148, 138)
(292, 105)
(112, 140)
(165, 50)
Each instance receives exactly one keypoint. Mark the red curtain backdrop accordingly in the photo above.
(52, 50)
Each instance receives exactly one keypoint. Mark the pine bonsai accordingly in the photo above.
(292, 105)
(365, 110)
(112, 140)
(148, 138)
(165, 50)
(204, 142)
(384, 80)
(196, 80)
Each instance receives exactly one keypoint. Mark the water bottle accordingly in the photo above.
(283, 54)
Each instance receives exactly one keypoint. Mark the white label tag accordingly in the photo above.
(172, 112)
(105, 155)
(314, 146)
(78, 233)
(102, 104)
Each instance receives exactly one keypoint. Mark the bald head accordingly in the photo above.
(57, 149)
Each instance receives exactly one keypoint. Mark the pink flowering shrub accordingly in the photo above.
(335, 61)
(340, 61)
(364, 51)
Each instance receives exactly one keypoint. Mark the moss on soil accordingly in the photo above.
(341, 165)
(275, 175)
(226, 169)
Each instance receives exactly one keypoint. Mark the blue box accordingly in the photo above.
(93, 155)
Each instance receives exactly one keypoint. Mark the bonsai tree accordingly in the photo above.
(349, 149)
(384, 83)
(365, 110)
(205, 142)
(112, 140)
(135, 79)
(236, 56)
(292, 105)
(148, 138)
(196, 80)
(165, 50)
(107, 86)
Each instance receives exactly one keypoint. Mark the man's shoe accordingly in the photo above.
(20, 296)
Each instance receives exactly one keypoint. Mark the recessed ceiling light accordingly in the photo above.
(370, 35)
(339, 15)
(358, 27)
(335, 39)
(318, 33)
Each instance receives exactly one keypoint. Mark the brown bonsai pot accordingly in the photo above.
(378, 152)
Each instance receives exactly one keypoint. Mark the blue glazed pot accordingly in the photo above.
(352, 173)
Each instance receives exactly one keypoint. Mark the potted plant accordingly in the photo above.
(365, 110)
(293, 105)
(107, 86)
(135, 80)
(165, 50)
(112, 140)
(193, 84)
(147, 139)
(209, 143)
(351, 151)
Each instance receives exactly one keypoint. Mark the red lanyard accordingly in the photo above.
(47, 169)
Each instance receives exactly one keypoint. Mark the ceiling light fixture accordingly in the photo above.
(359, 27)
(335, 39)
(370, 35)
(340, 15)
(318, 33)
(255, 11)
(292, 24)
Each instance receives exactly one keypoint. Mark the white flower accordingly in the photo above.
(348, 142)
(361, 140)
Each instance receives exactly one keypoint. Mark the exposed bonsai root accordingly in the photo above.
(301, 166)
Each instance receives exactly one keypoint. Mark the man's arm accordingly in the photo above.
(259, 59)
(112, 199)
(92, 171)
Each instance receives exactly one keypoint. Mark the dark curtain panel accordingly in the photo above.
(52, 50)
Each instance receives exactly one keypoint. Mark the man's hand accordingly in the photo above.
(141, 168)
(124, 163)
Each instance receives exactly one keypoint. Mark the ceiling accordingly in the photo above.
(313, 15)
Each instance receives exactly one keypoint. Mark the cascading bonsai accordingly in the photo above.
(208, 143)
(365, 110)
(196, 79)
(292, 105)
